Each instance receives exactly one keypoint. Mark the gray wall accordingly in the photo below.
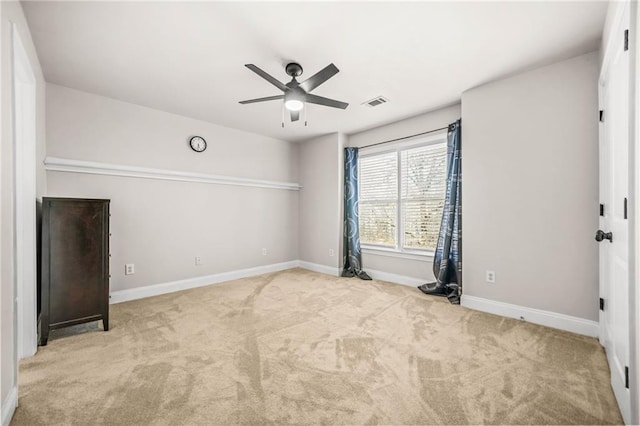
(161, 226)
(421, 268)
(11, 12)
(320, 163)
(530, 188)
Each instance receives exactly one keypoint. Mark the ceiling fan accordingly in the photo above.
(296, 94)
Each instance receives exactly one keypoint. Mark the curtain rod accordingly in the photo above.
(406, 137)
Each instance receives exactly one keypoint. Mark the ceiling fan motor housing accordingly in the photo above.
(293, 69)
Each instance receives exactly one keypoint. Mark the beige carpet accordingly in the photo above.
(305, 348)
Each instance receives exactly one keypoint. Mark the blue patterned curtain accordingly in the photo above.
(352, 255)
(447, 262)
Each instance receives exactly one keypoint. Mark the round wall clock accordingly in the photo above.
(198, 144)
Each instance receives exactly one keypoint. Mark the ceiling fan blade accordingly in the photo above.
(318, 78)
(267, 77)
(268, 98)
(295, 115)
(320, 100)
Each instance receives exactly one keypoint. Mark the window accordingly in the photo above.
(402, 196)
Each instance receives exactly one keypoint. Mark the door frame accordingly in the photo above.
(616, 30)
(25, 244)
(634, 193)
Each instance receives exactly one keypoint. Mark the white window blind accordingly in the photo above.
(423, 172)
(402, 196)
(378, 199)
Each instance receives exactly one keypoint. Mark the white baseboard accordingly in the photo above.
(9, 406)
(173, 286)
(395, 278)
(376, 275)
(316, 267)
(536, 316)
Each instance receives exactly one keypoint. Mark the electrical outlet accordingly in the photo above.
(330, 252)
(264, 251)
(491, 277)
(129, 269)
(198, 260)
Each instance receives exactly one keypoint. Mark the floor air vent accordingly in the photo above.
(378, 100)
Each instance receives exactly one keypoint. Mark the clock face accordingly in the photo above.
(198, 144)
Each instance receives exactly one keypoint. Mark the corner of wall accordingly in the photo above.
(320, 199)
(343, 141)
(9, 405)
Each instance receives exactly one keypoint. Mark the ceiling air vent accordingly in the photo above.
(378, 100)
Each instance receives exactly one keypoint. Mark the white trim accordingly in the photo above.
(24, 118)
(376, 275)
(95, 168)
(9, 406)
(395, 278)
(173, 286)
(634, 119)
(536, 316)
(426, 256)
(316, 267)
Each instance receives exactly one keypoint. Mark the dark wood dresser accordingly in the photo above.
(75, 263)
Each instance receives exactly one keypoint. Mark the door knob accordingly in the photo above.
(601, 235)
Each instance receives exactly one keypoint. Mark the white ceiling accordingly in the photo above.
(188, 58)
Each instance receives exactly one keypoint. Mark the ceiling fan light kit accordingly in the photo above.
(293, 105)
(296, 94)
(294, 100)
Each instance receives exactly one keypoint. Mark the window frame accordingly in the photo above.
(399, 250)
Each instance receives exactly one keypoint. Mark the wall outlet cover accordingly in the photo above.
(129, 269)
(491, 277)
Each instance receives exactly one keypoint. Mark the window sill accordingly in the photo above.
(377, 251)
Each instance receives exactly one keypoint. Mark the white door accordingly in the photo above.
(614, 224)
